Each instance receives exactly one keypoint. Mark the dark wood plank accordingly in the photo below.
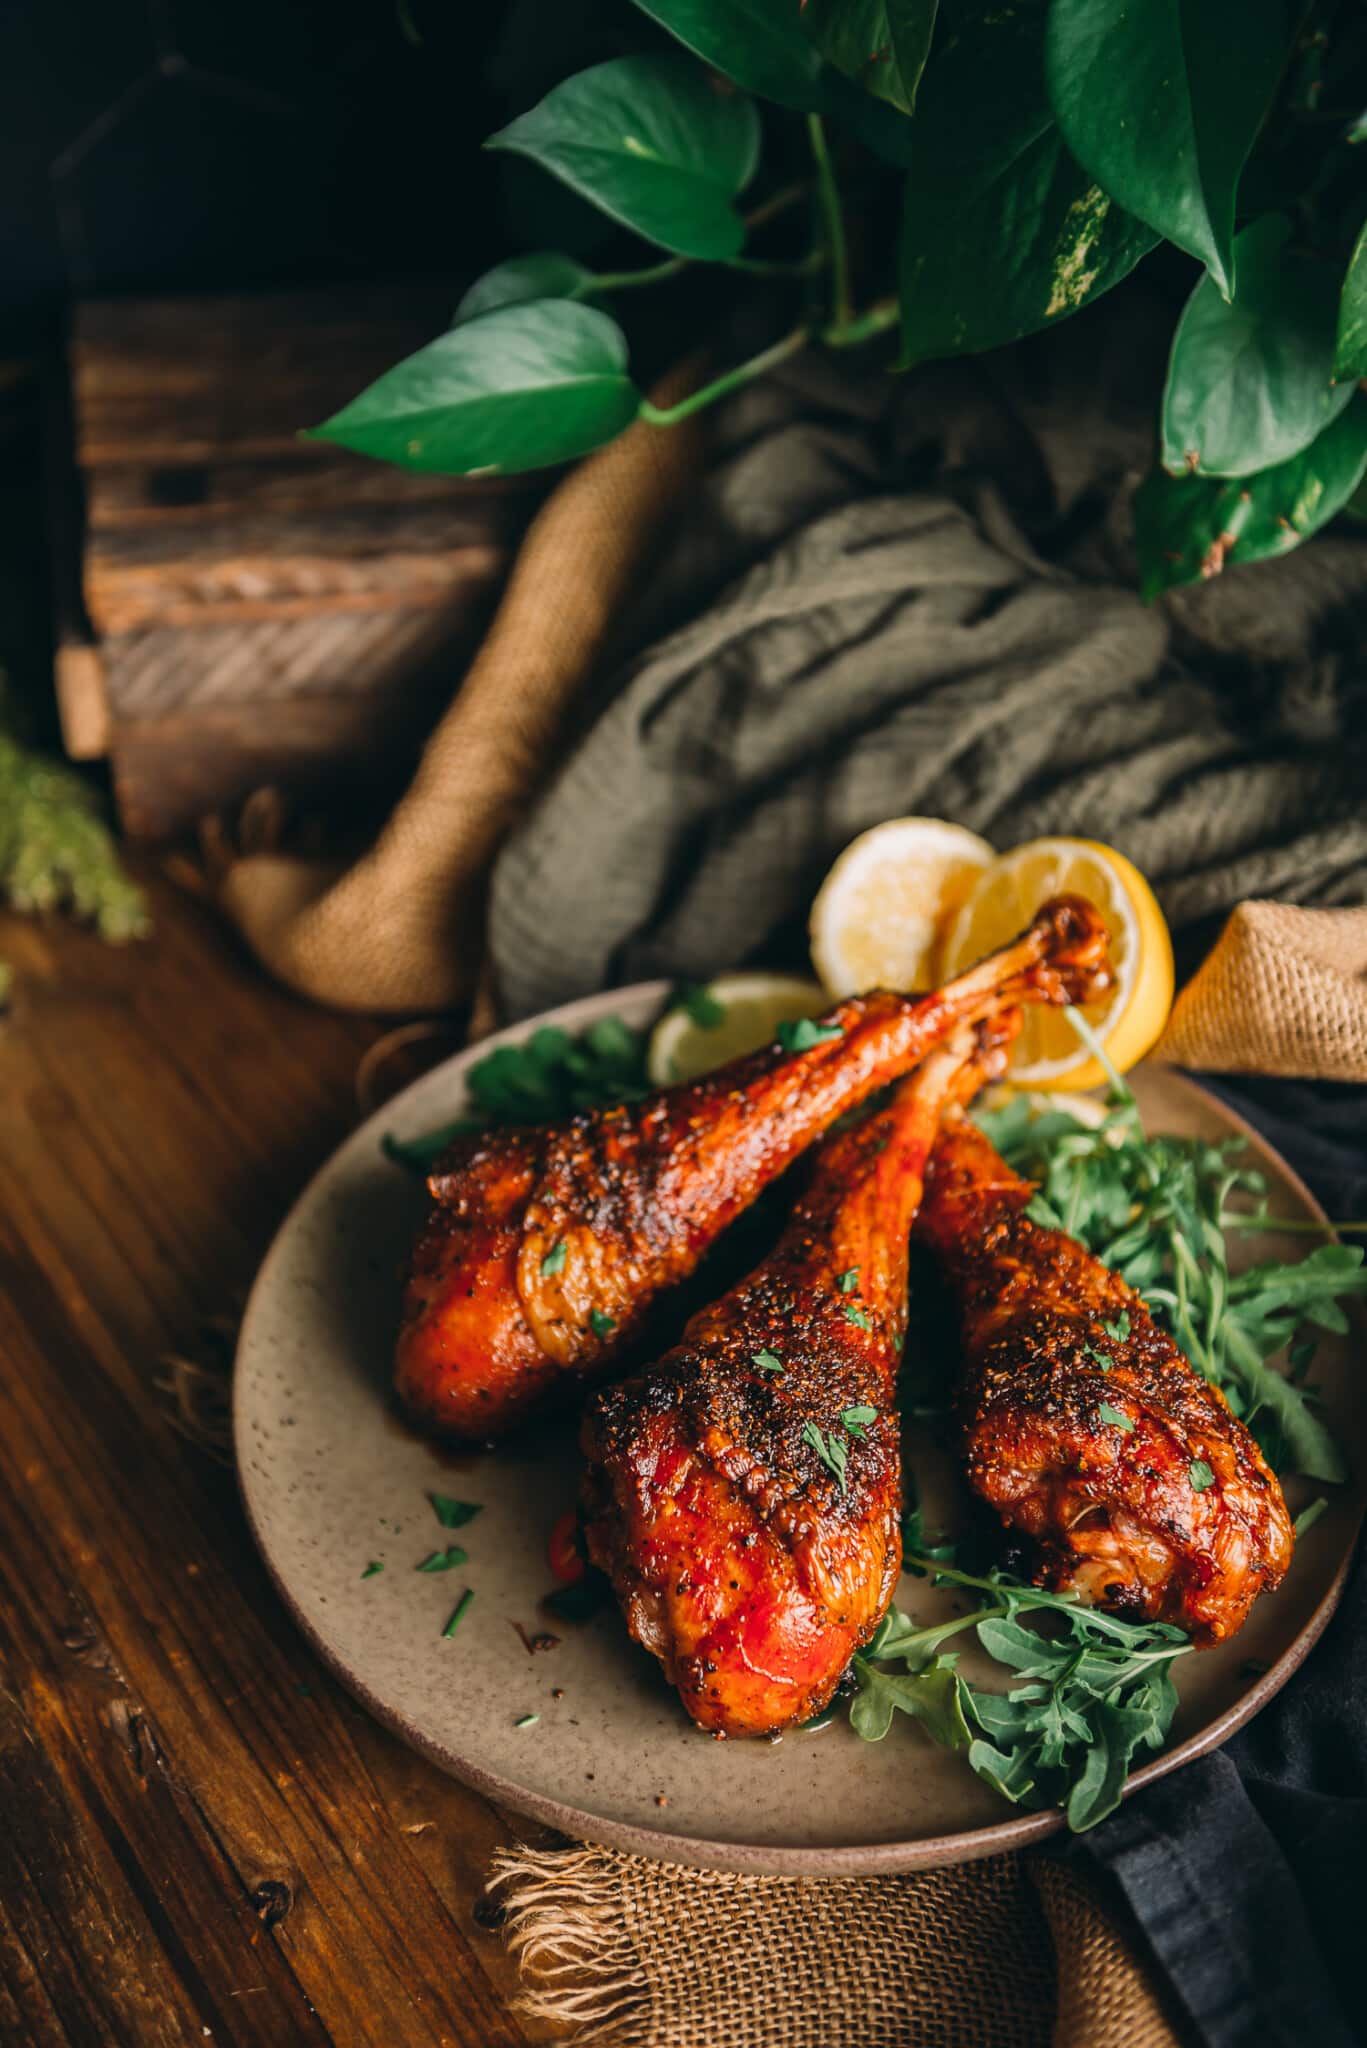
(197, 1828)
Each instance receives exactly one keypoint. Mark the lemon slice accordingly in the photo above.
(1049, 1053)
(879, 913)
(735, 1014)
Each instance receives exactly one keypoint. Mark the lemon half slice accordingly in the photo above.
(1127, 1021)
(735, 1014)
(879, 913)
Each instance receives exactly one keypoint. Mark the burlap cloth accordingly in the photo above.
(884, 596)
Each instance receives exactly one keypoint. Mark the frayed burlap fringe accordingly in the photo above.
(1283, 992)
(1008, 1953)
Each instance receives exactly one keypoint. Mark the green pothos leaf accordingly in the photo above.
(1162, 101)
(1350, 352)
(1194, 527)
(515, 389)
(1249, 380)
(757, 43)
(880, 44)
(543, 274)
(1002, 232)
(653, 142)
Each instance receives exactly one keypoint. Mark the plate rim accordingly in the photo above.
(1014, 1831)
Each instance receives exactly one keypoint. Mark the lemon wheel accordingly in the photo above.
(1129, 1018)
(878, 915)
(735, 1014)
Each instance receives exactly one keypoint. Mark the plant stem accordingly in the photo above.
(730, 380)
(835, 224)
(1229, 1220)
(628, 280)
(862, 327)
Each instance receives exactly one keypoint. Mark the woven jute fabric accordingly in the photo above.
(1006, 1953)
(400, 928)
(1283, 992)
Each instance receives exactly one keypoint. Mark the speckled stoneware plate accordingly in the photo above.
(332, 1481)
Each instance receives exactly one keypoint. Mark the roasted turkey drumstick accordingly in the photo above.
(548, 1247)
(1083, 1424)
(744, 1495)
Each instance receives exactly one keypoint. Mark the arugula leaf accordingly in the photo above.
(1085, 1698)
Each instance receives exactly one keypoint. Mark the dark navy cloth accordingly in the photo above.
(1246, 1869)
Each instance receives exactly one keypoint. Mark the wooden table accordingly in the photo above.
(201, 1837)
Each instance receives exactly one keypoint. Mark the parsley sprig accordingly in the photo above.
(1087, 1697)
(1158, 1210)
(549, 1076)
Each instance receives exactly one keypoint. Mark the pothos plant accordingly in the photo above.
(1042, 147)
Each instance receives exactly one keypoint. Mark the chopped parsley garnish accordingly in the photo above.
(855, 1421)
(1201, 1475)
(371, 1569)
(768, 1361)
(554, 1261)
(601, 1325)
(454, 1514)
(458, 1612)
(702, 1006)
(1119, 1330)
(858, 1316)
(805, 1032)
(548, 1077)
(830, 1448)
(526, 1720)
(1099, 1358)
(848, 1280)
(444, 1560)
(1115, 1417)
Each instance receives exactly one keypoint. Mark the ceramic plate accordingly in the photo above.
(333, 1482)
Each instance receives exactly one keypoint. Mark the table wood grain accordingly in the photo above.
(202, 1838)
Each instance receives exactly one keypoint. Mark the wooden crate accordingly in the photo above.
(240, 607)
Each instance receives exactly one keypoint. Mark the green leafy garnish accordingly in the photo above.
(804, 1033)
(526, 1720)
(858, 1316)
(855, 1421)
(554, 1261)
(768, 1361)
(458, 1612)
(1085, 1698)
(546, 1078)
(1308, 1516)
(1157, 1210)
(601, 1324)
(454, 1514)
(372, 1569)
(444, 1560)
(848, 1280)
(830, 1448)
(1201, 1475)
(1116, 1417)
(702, 1006)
